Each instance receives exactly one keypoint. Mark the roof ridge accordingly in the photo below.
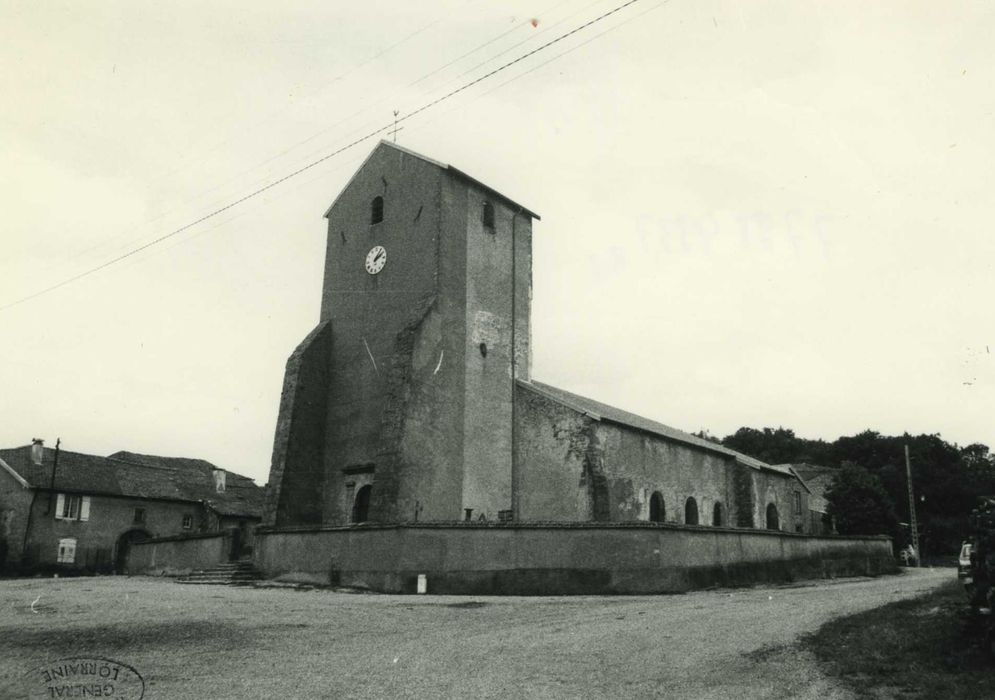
(681, 434)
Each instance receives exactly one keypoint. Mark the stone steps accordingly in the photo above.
(236, 573)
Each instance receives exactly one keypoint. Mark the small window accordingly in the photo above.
(187, 522)
(488, 217)
(718, 515)
(773, 521)
(67, 551)
(68, 507)
(691, 512)
(658, 511)
(798, 502)
(376, 210)
(139, 516)
(361, 507)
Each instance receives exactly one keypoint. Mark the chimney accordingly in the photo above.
(219, 480)
(37, 451)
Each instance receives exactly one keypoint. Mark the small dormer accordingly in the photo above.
(219, 480)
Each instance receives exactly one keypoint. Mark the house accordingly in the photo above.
(83, 511)
(818, 479)
(412, 400)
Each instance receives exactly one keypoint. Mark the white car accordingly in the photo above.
(964, 562)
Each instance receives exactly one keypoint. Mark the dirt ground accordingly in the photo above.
(218, 642)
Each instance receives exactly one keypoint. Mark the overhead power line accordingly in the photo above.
(270, 185)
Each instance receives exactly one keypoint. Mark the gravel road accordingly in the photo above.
(218, 642)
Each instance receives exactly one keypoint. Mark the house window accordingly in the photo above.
(798, 502)
(67, 551)
(139, 516)
(376, 210)
(69, 507)
(187, 522)
(488, 217)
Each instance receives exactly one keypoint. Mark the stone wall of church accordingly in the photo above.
(572, 467)
(390, 330)
(786, 495)
(557, 473)
(297, 468)
(691, 481)
(491, 279)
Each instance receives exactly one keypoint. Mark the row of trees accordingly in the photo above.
(869, 494)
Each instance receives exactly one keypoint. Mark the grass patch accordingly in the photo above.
(927, 647)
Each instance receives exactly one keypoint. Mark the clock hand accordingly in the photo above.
(378, 256)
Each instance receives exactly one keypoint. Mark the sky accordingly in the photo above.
(753, 214)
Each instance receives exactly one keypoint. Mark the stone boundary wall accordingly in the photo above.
(560, 558)
(179, 555)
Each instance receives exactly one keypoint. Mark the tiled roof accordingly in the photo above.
(138, 476)
(241, 495)
(601, 411)
(811, 472)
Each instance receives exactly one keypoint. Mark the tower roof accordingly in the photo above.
(444, 166)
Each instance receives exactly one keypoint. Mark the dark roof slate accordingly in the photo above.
(138, 476)
(241, 495)
(816, 478)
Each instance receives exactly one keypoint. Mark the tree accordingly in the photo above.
(777, 446)
(859, 503)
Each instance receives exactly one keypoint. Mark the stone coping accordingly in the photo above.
(552, 525)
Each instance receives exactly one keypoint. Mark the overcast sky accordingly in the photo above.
(761, 214)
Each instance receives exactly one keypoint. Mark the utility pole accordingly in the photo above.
(912, 510)
(51, 486)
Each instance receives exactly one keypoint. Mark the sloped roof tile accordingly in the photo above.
(138, 476)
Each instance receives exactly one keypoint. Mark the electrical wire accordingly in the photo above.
(124, 234)
(317, 161)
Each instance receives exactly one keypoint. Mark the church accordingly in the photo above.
(413, 401)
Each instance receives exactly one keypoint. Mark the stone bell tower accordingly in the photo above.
(399, 405)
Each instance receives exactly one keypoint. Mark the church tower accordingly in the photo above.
(399, 405)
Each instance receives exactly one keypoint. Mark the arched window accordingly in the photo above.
(691, 512)
(489, 216)
(658, 511)
(773, 522)
(376, 210)
(718, 515)
(361, 507)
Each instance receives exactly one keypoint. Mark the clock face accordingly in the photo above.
(376, 259)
